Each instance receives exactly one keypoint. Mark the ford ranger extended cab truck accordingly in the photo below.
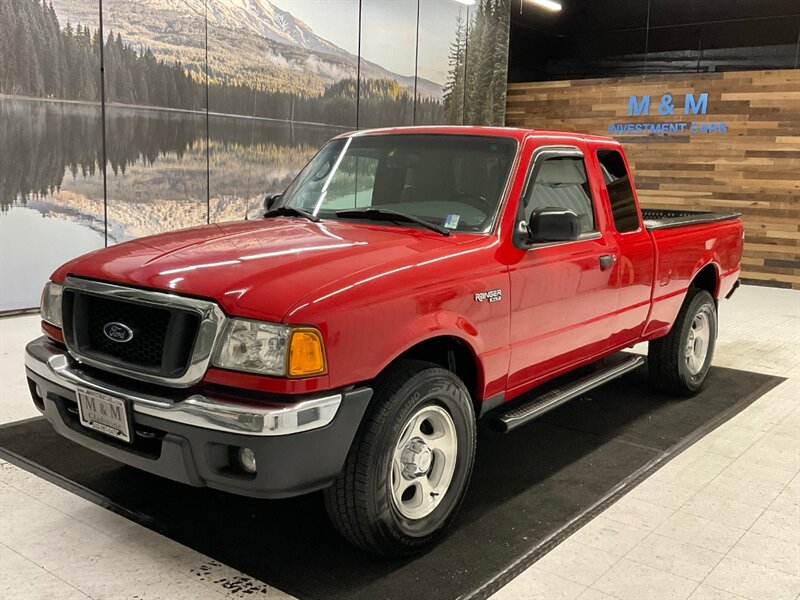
(408, 282)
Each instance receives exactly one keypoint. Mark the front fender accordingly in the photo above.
(368, 321)
(439, 325)
(363, 338)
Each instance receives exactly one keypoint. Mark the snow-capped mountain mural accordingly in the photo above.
(250, 41)
(264, 18)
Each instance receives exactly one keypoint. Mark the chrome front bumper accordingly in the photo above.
(300, 444)
(198, 410)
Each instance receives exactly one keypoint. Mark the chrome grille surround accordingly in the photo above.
(212, 320)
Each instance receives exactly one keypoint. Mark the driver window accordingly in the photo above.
(561, 182)
(353, 183)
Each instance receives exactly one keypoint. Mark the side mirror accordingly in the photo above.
(553, 225)
(270, 200)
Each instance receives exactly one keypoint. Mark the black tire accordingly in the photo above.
(667, 362)
(360, 501)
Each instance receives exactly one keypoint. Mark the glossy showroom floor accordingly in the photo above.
(722, 520)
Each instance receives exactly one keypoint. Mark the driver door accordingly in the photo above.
(563, 294)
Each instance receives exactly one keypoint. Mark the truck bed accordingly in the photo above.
(655, 218)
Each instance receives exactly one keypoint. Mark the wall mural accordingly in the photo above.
(209, 104)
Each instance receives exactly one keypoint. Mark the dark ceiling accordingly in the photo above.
(598, 38)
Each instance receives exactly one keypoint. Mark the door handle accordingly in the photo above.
(607, 261)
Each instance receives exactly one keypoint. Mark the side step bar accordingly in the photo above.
(536, 406)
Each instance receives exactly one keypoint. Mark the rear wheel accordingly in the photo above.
(408, 469)
(679, 362)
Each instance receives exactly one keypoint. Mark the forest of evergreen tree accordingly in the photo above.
(40, 58)
(475, 91)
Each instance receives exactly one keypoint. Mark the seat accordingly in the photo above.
(561, 183)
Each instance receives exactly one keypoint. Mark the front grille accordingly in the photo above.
(149, 325)
(162, 340)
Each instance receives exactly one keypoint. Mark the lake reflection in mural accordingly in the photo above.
(156, 173)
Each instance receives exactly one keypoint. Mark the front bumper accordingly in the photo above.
(300, 444)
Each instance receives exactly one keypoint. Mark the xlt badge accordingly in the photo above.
(490, 295)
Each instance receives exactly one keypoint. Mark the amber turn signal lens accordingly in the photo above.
(306, 353)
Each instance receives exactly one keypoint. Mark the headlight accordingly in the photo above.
(253, 346)
(51, 303)
(270, 349)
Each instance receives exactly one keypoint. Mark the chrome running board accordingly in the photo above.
(536, 406)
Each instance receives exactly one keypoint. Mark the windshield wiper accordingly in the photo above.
(384, 214)
(291, 211)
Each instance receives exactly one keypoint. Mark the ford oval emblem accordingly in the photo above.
(118, 332)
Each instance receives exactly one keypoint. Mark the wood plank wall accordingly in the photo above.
(754, 168)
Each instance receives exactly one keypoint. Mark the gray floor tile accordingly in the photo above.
(577, 562)
(22, 579)
(534, 584)
(630, 580)
(778, 525)
(610, 536)
(706, 592)
(678, 558)
(769, 552)
(639, 513)
(722, 510)
(700, 532)
(593, 594)
(753, 581)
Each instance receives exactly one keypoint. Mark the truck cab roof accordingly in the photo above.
(517, 133)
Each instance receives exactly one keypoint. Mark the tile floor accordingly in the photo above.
(720, 521)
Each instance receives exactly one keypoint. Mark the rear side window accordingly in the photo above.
(620, 191)
(560, 182)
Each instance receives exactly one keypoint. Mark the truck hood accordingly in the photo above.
(259, 269)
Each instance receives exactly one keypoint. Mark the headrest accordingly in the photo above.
(561, 170)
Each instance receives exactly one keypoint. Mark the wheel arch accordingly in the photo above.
(708, 279)
(453, 353)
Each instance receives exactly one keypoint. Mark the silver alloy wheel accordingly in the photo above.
(424, 461)
(697, 342)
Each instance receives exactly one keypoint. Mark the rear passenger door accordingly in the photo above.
(563, 294)
(636, 250)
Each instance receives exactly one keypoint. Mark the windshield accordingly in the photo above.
(454, 181)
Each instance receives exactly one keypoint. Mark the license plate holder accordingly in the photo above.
(104, 413)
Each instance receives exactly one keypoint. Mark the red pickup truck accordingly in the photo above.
(409, 282)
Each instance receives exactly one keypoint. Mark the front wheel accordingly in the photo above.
(679, 361)
(408, 470)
